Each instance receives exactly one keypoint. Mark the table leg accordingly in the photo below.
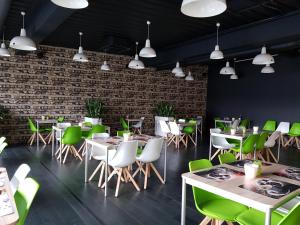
(210, 147)
(53, 133)
(37, 134)
(86, 163)
(183, 202)
(201, 129)
(60, 146)
(241, 145)
(165, 166)
(106, 170)
(196, 139)
(278, 150)
(268, 217)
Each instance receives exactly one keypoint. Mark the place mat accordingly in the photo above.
(291, 173)
(220, 174)
(6, 206)
(241, 163)
(269, 187)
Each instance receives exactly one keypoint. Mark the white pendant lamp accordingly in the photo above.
(268, 69)
(227, 70)
(217, 54)
(203, 8)
(80, 56)
(189, 77)
(136, 63)
(177, 69)
(71, 4)
(22, 42)
(147, 51)
(180, 74)
(263, 58)
(105, 66)
(234, 77)
(3, 50)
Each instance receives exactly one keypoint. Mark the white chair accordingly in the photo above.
(58, 134)
(286, 207)
(283, 128)
(2, 139)
(124, 157)
(220, 143)
(138, 126)
(20, 175)
(177, 135)
(235, 124)
(165, 130)
(150, 154)
(270, 143)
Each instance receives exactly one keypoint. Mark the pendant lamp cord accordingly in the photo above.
(148, 23)
(136, 46)
(23, 15)
(218, 26)
(3, 36)
(80, 34)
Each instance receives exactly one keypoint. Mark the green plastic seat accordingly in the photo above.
(254, 217)
(60, 119)
(87, 124)
(121, 132)
(24, 198)
(32, 126)
(295, 130)
(226, 158)
(220, 125)
(123, 123)
(270, 125)
(188, 130)
(211, 205)
(245, 123)
(72, 135)
(248, 145)
(98, 128)
(261, 140)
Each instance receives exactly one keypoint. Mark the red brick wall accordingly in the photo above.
(53, 84)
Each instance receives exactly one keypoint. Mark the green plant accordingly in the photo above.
(4, 113)
(94, 108)
(165, 109)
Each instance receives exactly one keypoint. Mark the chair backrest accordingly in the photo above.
(20, 174)
(218, 141)
(249, 143)
(295, 129)
(283, 127)
(235, 124)
(98, 128)
(293, 217)
(140, 123)
(199, 164)
(270, 125)
(32, 126)
(261, 140)
(24, 198)
(60, 119)
(3, 146)
(2, 139)
(164, 127)
(245, 123)
(215, 130)
(226, 158)
(123, 123)
(100, 135)
(272, 139)
(174, 128)
(152, 150)
(125, 155)
(72, 135)
(63, 125)
(121, 132)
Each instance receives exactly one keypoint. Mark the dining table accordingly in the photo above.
(8, 210)
(112, 143)
(275, 186)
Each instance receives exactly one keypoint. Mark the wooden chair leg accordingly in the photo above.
(115, 171)
(34, 137)
(96, 170)
(216, 153)
(101, 174)
(146, 176)
(68, 148)
(191, 138)
(41, 137)
(205, 221)
(118, 182)
(229, 223)
(76, 153)
(157, 173)
(289, 142)
(132, 180)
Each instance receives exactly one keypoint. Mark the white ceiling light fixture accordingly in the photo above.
(189, 77)
(105, 66)
(268, 69)
(136, 63)
(23, 42)
(147, 51)
(263, 58)
(177, 69)
(71, 4)
(3, 50)
(203, 8)
(234, 76)
(217, 54)
(227, 70)
(80, 56)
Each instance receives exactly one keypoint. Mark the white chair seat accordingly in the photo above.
(111, 154)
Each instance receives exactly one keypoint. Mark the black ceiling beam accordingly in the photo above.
(4, 7)
(235, 42)
(45, 19)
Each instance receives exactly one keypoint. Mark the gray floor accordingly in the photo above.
(65, 199)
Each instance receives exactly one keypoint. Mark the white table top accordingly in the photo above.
(46, 121)
(232, 189)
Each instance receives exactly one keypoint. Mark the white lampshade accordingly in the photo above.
(105, 66)
(4, 51)
(203, 8)
(263, 58)
(268, 69)
(180, 74)
(136, 63)
(217, 54)
(147, 51)
(71, 4)
(189, 77)
(234, 77)
(177, 69)
(80, 57)
(227, 70)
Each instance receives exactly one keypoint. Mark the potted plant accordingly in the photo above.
(94, 109)
(163, 111)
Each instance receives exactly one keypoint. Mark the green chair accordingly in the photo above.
(255, 217)
(60, 119)
(123, 123)
(121, 132)
(24, 198)
(260, 145)
(270, 125)
(214, 207)
(71, 137)
(189, 131)
(226, 158)
(248, 145)
(35, 132)
(245, 123)
(220, 125)
(294, 134)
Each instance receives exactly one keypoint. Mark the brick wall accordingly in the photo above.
(52, 84)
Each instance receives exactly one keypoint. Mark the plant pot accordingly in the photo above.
(93, 121)
(158, 130)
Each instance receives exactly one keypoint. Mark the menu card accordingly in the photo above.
(6, 206)
(220, 174)
(291, 173)
(241, 163)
